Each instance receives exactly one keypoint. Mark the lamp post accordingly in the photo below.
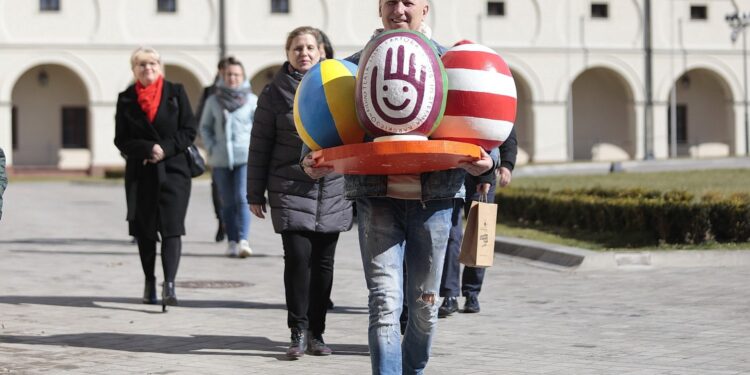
(648, 123)
(738, 22)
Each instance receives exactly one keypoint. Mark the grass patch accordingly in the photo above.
(698, 182)
(604, 241)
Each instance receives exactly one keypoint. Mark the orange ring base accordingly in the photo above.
(396, 157)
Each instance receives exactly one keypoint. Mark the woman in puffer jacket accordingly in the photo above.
(308, 213)
(225, 125)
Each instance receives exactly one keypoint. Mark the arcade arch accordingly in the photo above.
(524, 123)
(193, 86)
(263, 77)
(50, 119)
(603, 117)
(705, 116)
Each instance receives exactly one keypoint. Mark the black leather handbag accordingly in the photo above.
(195, 161)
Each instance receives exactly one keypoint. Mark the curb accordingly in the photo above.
(573, 258)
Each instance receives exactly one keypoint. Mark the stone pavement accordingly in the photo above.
(70, 286)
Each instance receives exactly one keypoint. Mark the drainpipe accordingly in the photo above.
(648, 129)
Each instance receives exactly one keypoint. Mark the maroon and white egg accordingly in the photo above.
(400, 85)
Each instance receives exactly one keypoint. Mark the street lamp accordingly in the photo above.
(738, 22)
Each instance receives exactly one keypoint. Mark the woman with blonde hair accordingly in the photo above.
(308, 213)
(154, 125)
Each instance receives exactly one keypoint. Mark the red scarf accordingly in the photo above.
(149, 97)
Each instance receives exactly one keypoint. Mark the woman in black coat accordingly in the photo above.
(154, 125)
(308, 213)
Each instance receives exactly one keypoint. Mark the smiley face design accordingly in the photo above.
(400, 86)
(405, 84)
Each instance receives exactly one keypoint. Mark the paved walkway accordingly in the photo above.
(70, 284)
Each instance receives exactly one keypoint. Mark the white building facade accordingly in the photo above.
(579, 66)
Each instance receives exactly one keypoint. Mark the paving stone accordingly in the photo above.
(70, 285)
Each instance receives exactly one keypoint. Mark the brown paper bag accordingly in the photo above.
(478, 243)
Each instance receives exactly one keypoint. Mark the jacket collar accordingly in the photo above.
(286, 83)
(167, 105)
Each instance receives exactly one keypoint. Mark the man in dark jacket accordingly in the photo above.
(471, 281)
(215, 198)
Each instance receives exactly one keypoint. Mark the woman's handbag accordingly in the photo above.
(195, 161)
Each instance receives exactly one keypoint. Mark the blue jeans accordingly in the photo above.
(232, 185)
(393, 234)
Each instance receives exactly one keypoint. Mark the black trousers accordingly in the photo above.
(171, 250)
(308, 277)
(472, 277)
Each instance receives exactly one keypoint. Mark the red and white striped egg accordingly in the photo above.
(481, 104)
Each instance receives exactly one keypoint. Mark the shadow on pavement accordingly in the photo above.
(69, 241)
(100, 303)
(210, 345)
(134, 252)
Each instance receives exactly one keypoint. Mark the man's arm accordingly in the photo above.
(508, 153)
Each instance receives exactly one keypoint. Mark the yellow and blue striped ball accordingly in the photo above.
(324, 112)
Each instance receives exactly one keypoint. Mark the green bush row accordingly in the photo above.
(665, 217)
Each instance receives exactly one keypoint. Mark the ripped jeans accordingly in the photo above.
(394, 233)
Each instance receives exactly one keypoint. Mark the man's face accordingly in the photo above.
(403, 14)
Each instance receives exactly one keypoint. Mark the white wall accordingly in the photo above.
(548, 42)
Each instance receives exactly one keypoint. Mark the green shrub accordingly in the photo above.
(665, 217)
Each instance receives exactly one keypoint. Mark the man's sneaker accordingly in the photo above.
(450, 305)
(316, 345)
(472, 304)
(245, 250)
(297, 345)
(232, 250)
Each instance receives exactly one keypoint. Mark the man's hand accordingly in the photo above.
(483, 188)
(505, 176)
(308, 165)
(258, 210)
(477, 167)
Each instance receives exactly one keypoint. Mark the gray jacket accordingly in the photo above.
(3, 180)
(298, 203)
(226, 135)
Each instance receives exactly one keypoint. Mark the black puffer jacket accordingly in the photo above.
(298, 203)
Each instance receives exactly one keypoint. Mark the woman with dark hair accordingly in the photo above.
(154, 125)
(225, 129)
(326, 47)
(309, 213)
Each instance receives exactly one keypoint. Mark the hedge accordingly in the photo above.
(674, 217)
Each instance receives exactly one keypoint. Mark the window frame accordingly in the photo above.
(501, 8)
(696, 7)
(276, 9)
(595, 9)
(166, 10)
(45, 6)
(14, 127)
(79, 137)
(681, 124)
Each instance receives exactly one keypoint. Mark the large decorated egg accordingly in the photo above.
(400, 85)
(481, 105)
(324, 113)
